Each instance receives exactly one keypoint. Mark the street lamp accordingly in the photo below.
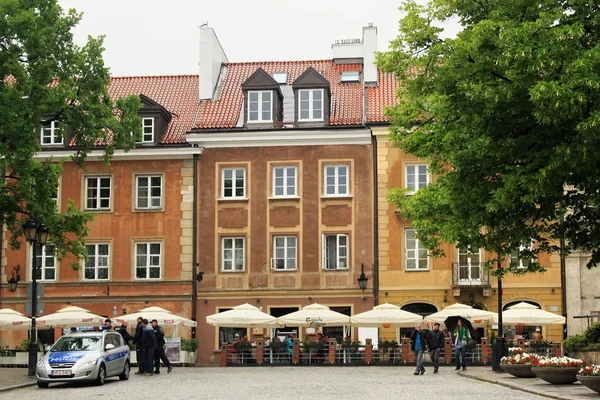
(15, 279)
(362, 279)
(35, 235)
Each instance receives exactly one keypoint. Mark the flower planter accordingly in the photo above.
(557, 375)
(592, 382)
(519, 370)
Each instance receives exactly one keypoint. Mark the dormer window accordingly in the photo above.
(50, 135)
(350, 76)
(260, 106)
(147, 130)
(310, 105)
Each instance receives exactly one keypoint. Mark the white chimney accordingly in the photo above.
(212, 58)
(369, 49)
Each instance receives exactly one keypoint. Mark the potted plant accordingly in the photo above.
(188, 351)
(277, 344)
(311, 344)
(350, 343)
(539, 345)
(519, 364)
(557, 370)
(589, 376)
(385, 345)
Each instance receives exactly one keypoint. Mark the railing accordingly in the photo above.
(471, 275)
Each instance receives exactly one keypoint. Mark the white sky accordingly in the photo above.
(156, 37)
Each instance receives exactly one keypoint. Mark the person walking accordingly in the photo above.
(137, 340)
(159, 351)
(148, 344)
(461, 338)
(420, 341)
(436, 341)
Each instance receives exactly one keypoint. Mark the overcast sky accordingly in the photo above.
(156, 37)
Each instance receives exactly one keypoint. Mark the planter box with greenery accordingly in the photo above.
(519, 364)
(589, 376)
(189, 348)
(558, 370)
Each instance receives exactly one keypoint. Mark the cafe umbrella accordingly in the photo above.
(162, 316)
(315, 315)
(461, 310)
(68, 317)
(11, 320)
(386, 316)
(527, 314)
(243, 316)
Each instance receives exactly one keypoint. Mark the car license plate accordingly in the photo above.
(62, 372)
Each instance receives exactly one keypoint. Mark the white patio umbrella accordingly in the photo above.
(528, 314)
(162, 316)
(68, 317)
(11, 320)
(386, 316)
(243, 316)
(315, 315)
(461, 310)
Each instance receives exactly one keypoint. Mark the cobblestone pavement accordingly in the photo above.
(280, 382)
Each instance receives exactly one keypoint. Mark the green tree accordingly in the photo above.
(44, 76)
(507, 113)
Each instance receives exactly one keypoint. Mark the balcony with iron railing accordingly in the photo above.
(470, 275)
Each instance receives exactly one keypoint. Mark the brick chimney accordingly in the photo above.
(212, 58)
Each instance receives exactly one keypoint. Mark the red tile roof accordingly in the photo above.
(381, 96)
(224, 112)
(178, 94)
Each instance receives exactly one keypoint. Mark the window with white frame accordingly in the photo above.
(284, 182)
(516, 258)
(284, 253)
(98, 192)
(336, 180)
(56, 196)
(335, 251)
(147, 130)
(260, 106)
(45, 262)
(97, 264)
(148, 260)
(148, 192)
(232, 254)
(234, 183)
(50, 135)
(415, 255)
(310, 105)
(416, 177)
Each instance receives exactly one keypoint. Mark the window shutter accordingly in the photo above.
(323, 251)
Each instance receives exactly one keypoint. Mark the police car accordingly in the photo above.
(84, 356)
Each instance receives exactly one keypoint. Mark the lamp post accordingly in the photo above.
(35, 235)
(362, 279)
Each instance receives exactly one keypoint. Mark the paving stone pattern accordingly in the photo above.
(284, 382)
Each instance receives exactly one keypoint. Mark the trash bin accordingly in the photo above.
(499, 350)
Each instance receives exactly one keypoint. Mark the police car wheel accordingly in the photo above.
(125, 374)
(101, 376)
(43, 385)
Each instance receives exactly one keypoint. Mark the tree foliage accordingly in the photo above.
(44, 76)
(507, 114)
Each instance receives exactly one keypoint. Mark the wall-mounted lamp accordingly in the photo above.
(309, 299)
(205, 301)
(362, 279)
(147, 302)
(386, 294)
(472, 298)
(15, 279)
(200, 276)
(445, 299)
(553, 290)
(68, 303)
(257, 301)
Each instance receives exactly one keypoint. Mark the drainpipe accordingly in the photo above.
(194, 242)
(375, 224)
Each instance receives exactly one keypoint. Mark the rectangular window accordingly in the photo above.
(147, 130)
(148, 258)
(336, 180)
(522, 262)
(260, 106)
(284, 253)
(97, 192)
(232, 254)
(415, 255)
(310, 104)
(416, 177)
(148, 192)
(284, 181)
(56, 197)
(50, 134)
(233, 185)
(335, 251)
(97, 264)
(45, 262)
(350, 76)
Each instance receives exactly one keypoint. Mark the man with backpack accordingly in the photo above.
(159, 351)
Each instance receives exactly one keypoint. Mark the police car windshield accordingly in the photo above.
(80, 343)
